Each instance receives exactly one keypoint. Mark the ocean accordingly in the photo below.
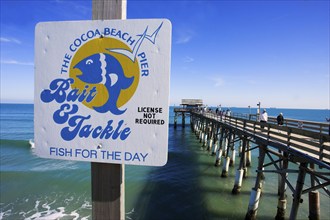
(189, 186)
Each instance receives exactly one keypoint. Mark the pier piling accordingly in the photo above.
(215, 141)
(240, 171)
(219, 151)
(282, 202)
(175, 119)
(298, 191)
(248, 154)
(314, 200)
(314, 205)
(256, 191)
(225, 167)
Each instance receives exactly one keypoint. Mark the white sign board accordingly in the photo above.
(102, 91)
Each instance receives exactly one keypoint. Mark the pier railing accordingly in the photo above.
(293, 123)
(318, 127)
(311, 138)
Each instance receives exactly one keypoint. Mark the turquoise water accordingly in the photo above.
(189, 186)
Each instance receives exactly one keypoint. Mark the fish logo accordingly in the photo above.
(114, 76)
(110, 67)
(105, 69)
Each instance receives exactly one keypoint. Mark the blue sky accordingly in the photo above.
(233, 53)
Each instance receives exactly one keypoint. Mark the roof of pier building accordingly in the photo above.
(192, 102)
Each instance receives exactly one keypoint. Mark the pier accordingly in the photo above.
(302, 143)
(186, 106)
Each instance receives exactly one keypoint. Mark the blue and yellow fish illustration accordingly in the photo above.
(102, 68)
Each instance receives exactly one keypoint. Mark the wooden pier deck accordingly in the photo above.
(304, 143)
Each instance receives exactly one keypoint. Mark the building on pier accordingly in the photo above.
(185, 107)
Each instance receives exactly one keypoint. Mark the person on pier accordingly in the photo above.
(228, 112)
(280, 119)
(263, 118)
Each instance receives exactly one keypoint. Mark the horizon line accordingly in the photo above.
(173, 105)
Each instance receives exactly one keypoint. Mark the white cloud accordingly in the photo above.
(183, 39)
(10, 40)
(184, 36)
(14, 62)
(218, 81)
(188, 59)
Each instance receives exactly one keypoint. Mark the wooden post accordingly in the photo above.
(240, 170)
(175, 119)
(225, 167)
(240, 147)
(233, 152)
(109, 9)
(205, 136)
(298, 191)
(210, 137)
(108, 180)
(197, 126)
(219, 151)
(314, 205)
(248, 154)
(108, 191)
(256, 191)
(192, 123)
(314, 200)
(282, 202)
(215, 140)
(202, 134)
(247, 161)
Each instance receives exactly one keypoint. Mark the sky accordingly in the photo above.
(233, 53)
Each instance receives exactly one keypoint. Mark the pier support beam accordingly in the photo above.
(202, 131)
(256, 191)
(175, 119)
(298, 191)
(238, 181)
(240, 148)
(226, 162)
(314, 205)
(233, 151)
(253, 204)
(232, 157)
(240, 171)
(206, 128)
(248, 154)
(225, 167)
(215, 141)
(197, 127)
(219, 151)
(314, 200)
(192, 123)
(204, 138)
(282, 202)
(210, 136)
